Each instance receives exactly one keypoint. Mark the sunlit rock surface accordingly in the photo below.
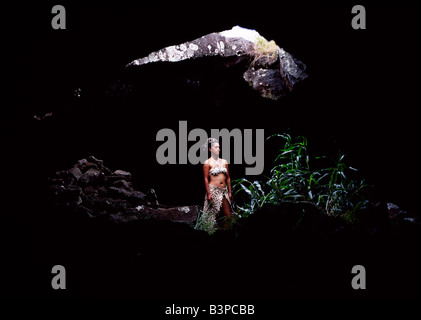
(272, 71)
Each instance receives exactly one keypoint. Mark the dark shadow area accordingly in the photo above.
(361, 98)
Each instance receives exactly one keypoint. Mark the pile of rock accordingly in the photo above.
(94, 190)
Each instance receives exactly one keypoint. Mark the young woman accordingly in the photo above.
(218, 188)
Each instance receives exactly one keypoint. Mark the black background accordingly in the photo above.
(361, 97)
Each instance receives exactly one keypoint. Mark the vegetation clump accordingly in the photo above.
(265, 52)
(331, 189)
(262, 46)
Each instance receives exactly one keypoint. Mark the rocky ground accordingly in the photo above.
(117, 242)
(93, 190)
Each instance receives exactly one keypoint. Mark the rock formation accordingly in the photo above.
(272, 71)
(94, 190)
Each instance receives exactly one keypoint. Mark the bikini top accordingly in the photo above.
(218, 169)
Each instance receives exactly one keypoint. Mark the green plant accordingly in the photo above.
(205, 222)
(210, 224)
(341, 195)
(262, 46)
(293, 179)
(264, 52)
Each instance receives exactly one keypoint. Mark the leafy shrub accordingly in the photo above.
(205, 222)
(292, 179)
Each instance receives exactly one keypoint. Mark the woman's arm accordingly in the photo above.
(228, 180)
(206, 179)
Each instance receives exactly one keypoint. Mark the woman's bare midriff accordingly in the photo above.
(219, 180)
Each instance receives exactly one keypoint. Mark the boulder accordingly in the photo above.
(126, 175)
(76, 172)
